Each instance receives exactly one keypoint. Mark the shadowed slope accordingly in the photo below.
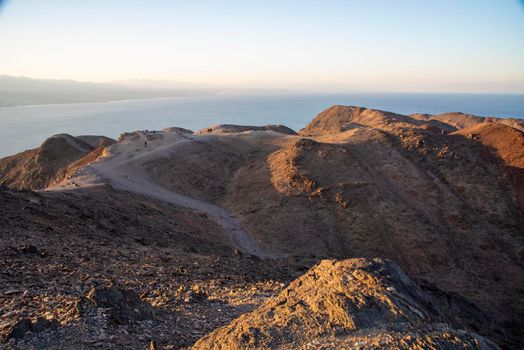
(37, 168)
(508, 145)
(40, 167)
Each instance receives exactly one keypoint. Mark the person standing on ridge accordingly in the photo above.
(145, 144)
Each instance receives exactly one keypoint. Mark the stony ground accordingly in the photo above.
(118, 290)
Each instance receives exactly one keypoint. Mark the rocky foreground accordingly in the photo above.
(349, 304)
(239, 237)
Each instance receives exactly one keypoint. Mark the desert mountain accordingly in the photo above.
(441, 199)
(38, 168)
(17, 91)
(462, 120)
(337, 119)
(349, 304)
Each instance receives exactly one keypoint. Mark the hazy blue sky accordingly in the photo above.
(384, 45)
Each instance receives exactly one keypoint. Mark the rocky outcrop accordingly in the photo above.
(356, 303)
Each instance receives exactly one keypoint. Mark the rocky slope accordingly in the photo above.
(342, 118)
(355, 303)
(443, 199)
(462, 120)
(40, 167)
(507, 144)
(107, 269)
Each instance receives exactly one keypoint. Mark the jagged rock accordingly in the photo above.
(355, 303)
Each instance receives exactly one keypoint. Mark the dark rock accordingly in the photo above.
(25, 325)
(42, 324)
(79, 308)
(124, 305)
(31, 249)
(20, 329)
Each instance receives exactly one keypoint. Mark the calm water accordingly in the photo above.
(27, 126)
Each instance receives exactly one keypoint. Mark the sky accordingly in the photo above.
(321, 45)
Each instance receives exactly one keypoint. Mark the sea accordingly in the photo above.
(25, 127)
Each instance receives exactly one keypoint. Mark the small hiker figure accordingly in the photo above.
(145, 144)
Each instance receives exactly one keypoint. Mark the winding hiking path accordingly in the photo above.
(124, 170)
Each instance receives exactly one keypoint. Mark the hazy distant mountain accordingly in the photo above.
(16, 91)
(160, 84)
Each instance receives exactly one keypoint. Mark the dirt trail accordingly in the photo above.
(124, 170)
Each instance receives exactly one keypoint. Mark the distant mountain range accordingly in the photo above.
(18, 91)
(15, 91)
